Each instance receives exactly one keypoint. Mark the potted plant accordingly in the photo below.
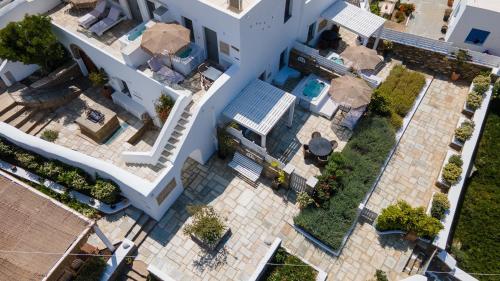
(481, 84)
(100, 79)
(462, 134)
(207, 227)
(163, 106)
(440, 205)
(388, 47)
(226, 144)
(461, 57)
(279, 180)
(473, 102)
(452, 171)
(304, 200)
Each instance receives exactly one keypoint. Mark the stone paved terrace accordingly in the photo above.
(285, 144)
(110, 151)
(66, 17)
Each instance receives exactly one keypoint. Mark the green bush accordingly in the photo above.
(401, 216)
(481, 84)
(396, 120)
(440, 204)
(288, 273)
(207, 225)
(374, 8)
(464, 132)
(50, 169)
(25, 159)
(475, 238)
(74, 180)
(6, 150)
(451, 173)
(474, 100)
(91, 270)
(381, 275)
(496, 89)
(400, 17)
(49, 135)
(163, 106)
(456, 159)
(304, 200)
(353, 172)
(105, 191)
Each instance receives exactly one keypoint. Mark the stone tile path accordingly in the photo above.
(110, 151)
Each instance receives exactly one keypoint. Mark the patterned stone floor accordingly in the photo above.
(71, 137)
(285, 143)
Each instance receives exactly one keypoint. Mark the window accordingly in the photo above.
(263, 76)
(224, 47)
(311, 32)
(188, 23)
(283, 59)
(477, 36)
(288, 10)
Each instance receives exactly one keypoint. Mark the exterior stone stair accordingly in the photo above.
(179, 131)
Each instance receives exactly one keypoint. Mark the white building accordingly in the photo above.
(250, 39)
(473, 25)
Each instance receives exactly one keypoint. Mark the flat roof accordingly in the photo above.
(493, 5)
(353, 18)
(30, 222)
(259, 107)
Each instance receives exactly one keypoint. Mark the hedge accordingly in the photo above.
(92, 269)
(288, 273)
(476, 237)
(355, 170)
(71, 177)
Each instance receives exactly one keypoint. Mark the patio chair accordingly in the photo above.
(334, 144)
(307, 153)
(322, 161)
(114, 17)
(316, 135)
(96, 14)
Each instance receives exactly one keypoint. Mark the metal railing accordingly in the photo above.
(322, 61)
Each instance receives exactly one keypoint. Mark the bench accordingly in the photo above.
(246, 167)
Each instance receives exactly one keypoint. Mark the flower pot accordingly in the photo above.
(456, 144)
(106, 91)
(411, 236)
(467, 111)
(455, 76)
(276, 184)
(450, 3)
(210, 247)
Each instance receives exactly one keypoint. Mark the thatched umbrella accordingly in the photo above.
(361, 57)
(165, 39)
(350, 91)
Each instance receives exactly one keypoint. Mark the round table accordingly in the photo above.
(320, 146)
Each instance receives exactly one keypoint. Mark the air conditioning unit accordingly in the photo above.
(236, 4)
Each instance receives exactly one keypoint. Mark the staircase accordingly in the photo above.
(175, 139)
(28, 120)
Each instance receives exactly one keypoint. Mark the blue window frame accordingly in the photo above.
(477, 36)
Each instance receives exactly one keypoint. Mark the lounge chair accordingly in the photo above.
(155, 64)
(114, 17)
(169, 76)
(96, 14)
(316, 135)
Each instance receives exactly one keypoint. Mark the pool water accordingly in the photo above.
(338, 60)
(313, 88)
(184, 53)
(136, 33)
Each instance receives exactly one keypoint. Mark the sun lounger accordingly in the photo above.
(114, 17)
(88, 19)
(170, 76)
(155, 64)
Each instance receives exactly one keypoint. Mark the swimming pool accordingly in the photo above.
(137, 32)
(117, 133)
(185, 53)
(335, 58)
(313, 88)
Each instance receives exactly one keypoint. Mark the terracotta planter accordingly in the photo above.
(455, 76)
(106, 91)
(411, 236)
(450, 3)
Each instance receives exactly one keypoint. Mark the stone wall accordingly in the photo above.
(434, 62)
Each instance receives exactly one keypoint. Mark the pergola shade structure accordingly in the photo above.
(355, 19)
(259, 107)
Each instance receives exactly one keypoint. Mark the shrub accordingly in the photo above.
(380, 275)
(407, 8)
(50, 169)
(6, 150)
(74, 180)
(92, 269)
(457, 160)
(374, 8)
(440, 204)
(304, 200)
(481, 84)
(163, 106)
(474, 100)
(26, 160)
(98, 78)
(49, 135)
(496, 89)
(464, 132)
(353, 172)
(207, 225)
(401, 216)
(288, 273)
(396, 120)
(451, 173)
(105, 191)
(400, 17)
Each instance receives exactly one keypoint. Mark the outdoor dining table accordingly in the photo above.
(320, 146)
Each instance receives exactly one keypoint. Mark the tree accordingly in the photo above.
(31, 41)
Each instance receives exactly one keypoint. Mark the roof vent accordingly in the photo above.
(236, 5)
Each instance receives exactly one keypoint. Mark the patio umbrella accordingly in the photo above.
(361, 57)
(350, 91)
(165, 38)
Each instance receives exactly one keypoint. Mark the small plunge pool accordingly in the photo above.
(313, 88)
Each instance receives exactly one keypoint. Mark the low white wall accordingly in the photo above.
(18, 70)
(136, 189)
(17, 9)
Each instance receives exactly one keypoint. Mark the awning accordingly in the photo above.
(354, 18)
(259, 107)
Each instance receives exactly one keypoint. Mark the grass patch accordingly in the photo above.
(476, 237)
(350, 174)
(288, 273)
(49, 135)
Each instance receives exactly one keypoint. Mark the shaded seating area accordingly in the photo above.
(93, 16)
(318, 149)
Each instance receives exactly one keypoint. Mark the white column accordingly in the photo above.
(290, 115)
(379, 33)
(103, 238)
(82, 66)
(365, 41)
(126, 9)
(143, 7)
(263, 141)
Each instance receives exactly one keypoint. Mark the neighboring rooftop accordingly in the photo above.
(485, 4)
(32, 223)
(223, 5)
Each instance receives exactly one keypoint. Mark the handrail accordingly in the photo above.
(152, 156)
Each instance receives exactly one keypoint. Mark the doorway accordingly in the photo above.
(89, 64)
(151, 8)
(188, 23)
(211, 45)
(134, 10)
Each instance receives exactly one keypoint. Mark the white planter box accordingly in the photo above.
(213, 246)
(440, 182)
(455, 143)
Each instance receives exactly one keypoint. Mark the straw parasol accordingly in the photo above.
(361, 57)
(350, 91)
(165, 38)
